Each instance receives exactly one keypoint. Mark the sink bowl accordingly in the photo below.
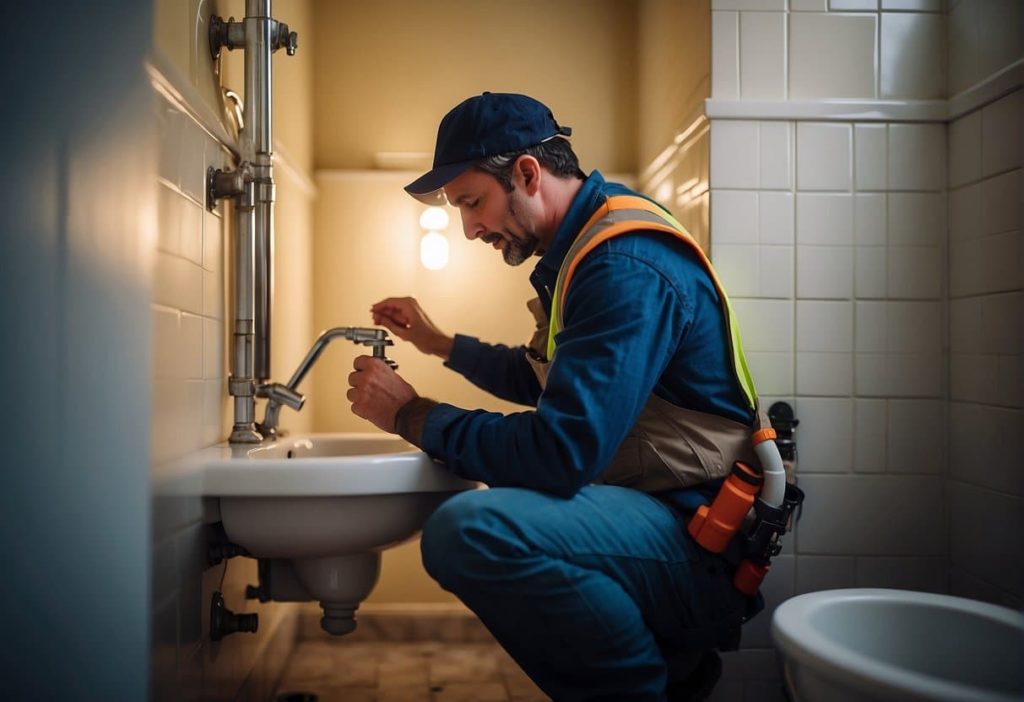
(319, 508)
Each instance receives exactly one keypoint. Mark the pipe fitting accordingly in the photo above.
(230, 34)
(224, 622)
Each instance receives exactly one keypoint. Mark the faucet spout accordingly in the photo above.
(278, 394)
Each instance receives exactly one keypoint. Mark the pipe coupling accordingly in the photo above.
(241, 387)
(265, 190)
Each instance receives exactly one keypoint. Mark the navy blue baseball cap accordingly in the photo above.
(484, 125)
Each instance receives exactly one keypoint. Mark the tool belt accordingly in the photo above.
(738, 512)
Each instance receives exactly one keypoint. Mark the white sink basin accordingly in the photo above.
(321, 507)
(327, 464)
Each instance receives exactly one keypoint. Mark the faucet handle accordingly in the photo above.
(281, 395)
(378, 351)
(371, 336)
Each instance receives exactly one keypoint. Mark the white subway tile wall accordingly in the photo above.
(823, 156)
(188, 293)
(763, 61)
(877, 271)
(824, 272)
(871, 515)
(831, 55)
(775, 218)
(911, 54)
(776, 157)
(899, 274)
(983, 38)
(824, 219)
(734, 154)
(725, 54)
(870, 424)
(808, 5)
(827, 434)
(815, 573)
(871, 147)
(767, 324)
(917, 157)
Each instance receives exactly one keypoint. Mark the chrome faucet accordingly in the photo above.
(278, 394)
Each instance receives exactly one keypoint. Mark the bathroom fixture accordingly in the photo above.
(434, 244)
(318, 509)
(876, 645)
(218, 545)
(252, 185)
(223, 621)
(278, 394)
(784, 422)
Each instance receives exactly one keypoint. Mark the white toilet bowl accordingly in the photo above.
(879, 645)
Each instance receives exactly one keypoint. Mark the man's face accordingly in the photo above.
(493, 215)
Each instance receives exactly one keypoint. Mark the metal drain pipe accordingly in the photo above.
(258, 136)
(253, 186)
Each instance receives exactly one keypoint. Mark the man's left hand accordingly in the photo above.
(377, 392)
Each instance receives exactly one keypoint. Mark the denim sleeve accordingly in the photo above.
(622, 323)
(500, 370)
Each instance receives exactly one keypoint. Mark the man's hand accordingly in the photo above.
(406, 320)
(377, 392)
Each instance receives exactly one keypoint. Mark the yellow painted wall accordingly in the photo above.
(387, 71)
(673, 71)
(673, 80)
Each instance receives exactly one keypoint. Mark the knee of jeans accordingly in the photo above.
(453, 538)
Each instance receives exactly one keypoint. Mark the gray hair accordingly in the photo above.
(556, 155)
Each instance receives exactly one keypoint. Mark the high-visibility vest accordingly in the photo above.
(621, 214)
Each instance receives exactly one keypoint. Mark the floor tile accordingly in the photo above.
(420, 671)
(470, 692)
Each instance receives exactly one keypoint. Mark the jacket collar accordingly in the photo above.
(586, 202)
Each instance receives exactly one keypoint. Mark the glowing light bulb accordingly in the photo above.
(434, 219)
(434, 250)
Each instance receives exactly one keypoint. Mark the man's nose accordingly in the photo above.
(472, 229)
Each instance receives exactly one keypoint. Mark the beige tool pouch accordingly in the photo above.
(669, 447)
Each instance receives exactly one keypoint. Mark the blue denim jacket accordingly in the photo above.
(641, 315)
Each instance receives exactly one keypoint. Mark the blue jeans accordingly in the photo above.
(587, 594)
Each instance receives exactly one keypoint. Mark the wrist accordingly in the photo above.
(412, 417)
(443, 347)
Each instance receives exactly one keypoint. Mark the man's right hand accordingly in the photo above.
(404, 318)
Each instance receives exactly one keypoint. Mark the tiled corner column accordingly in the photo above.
(986, 415)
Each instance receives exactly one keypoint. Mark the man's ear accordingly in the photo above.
(527, 173)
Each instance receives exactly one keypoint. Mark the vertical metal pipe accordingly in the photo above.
(251, 334)
(242, 385)
(258, 97)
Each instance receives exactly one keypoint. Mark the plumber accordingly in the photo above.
(578, 558)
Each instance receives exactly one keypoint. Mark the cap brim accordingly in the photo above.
(428, 187)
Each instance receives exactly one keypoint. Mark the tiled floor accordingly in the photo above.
(420, 671)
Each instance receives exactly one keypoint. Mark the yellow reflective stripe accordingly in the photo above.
(635, 202)
(619, 203)
(739, 359)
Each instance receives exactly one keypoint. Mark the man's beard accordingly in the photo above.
(516, 250)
